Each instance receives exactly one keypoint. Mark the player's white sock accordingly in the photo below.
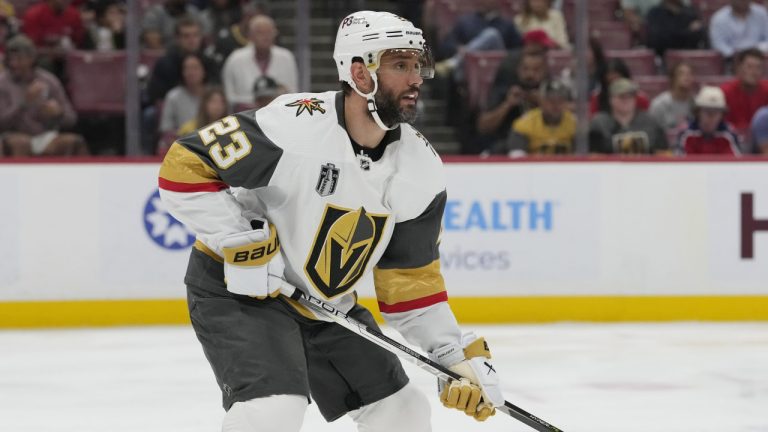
(279, 413)
(406, 410)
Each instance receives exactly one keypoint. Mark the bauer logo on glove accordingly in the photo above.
(253, 265)
(262, 246)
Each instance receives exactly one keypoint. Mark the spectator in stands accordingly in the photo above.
(260, 57)
(8, 26)
(181, 102)
(673, 108)
(107, 32)
(55, 28)
(213, 106)
(219, 16)
(625, 130)
(540, 15)
(505, 106)
(708, 133)
(759, 131)
(167, 71)
(235, 36)
(596, 66)
(159, 22)
(482, 30)
(748, 91)
(7, 10)
(615, 68)
(547, 130)
(167, 75)
(265, 90)
(739, 26)
(634, 12)
(34, 106)
(673, 25)
(535, 42)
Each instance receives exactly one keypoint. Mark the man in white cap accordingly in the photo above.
(708, 133)
(352, 188)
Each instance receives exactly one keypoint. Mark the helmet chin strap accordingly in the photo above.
(372, 102)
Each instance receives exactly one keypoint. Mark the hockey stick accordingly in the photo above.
(329, 311)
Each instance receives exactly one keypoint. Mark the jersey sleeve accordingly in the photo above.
(409, 285)
(199, 169)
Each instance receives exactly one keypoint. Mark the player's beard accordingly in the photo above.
(389, 109)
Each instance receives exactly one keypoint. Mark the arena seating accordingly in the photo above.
(703, 62)
(480, 71)
(613, 35)
(652, 85)
(639, 61)
(96, 81)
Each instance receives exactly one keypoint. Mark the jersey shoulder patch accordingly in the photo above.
(298, 119)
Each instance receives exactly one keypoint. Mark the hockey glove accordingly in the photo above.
(253, 265)
(478, 392)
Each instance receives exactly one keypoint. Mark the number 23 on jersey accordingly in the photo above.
(225, 156)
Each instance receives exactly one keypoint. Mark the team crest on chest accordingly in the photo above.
(343, 246)
(309, 105)
(327, 180)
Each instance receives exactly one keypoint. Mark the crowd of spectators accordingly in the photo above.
(207, 59)
(701, 110)
(213, 57)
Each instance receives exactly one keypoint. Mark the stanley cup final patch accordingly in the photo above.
(328, 179)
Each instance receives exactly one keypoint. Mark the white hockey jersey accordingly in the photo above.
(340, 210)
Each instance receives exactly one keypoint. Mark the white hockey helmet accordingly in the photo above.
(367, 35)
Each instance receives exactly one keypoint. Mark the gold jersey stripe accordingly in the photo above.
(400, 285)
(182, 166)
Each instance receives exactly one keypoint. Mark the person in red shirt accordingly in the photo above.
(709, 133)
(55, 27)
(54, 23)
(748, 91)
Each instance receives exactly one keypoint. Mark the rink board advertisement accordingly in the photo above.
(537, 241)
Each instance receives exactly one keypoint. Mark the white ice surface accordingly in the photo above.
(688, 377)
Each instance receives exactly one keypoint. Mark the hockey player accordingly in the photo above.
(316, 190)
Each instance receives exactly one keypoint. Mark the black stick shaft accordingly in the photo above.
(329, 311)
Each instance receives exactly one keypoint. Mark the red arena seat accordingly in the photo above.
(96, 81)
(613, 35)
(652, 85)
(639, 61)
(480, 70)
(703, 62)
(713, 80)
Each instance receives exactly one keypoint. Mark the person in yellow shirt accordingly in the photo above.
(547, 130)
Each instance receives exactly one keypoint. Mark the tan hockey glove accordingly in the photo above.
(253, 265)
(478, 392)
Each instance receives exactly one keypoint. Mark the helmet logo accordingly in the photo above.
(351, 20)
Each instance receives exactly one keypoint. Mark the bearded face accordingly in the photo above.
(396, 108)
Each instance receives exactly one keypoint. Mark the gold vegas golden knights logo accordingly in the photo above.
(343, 246)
